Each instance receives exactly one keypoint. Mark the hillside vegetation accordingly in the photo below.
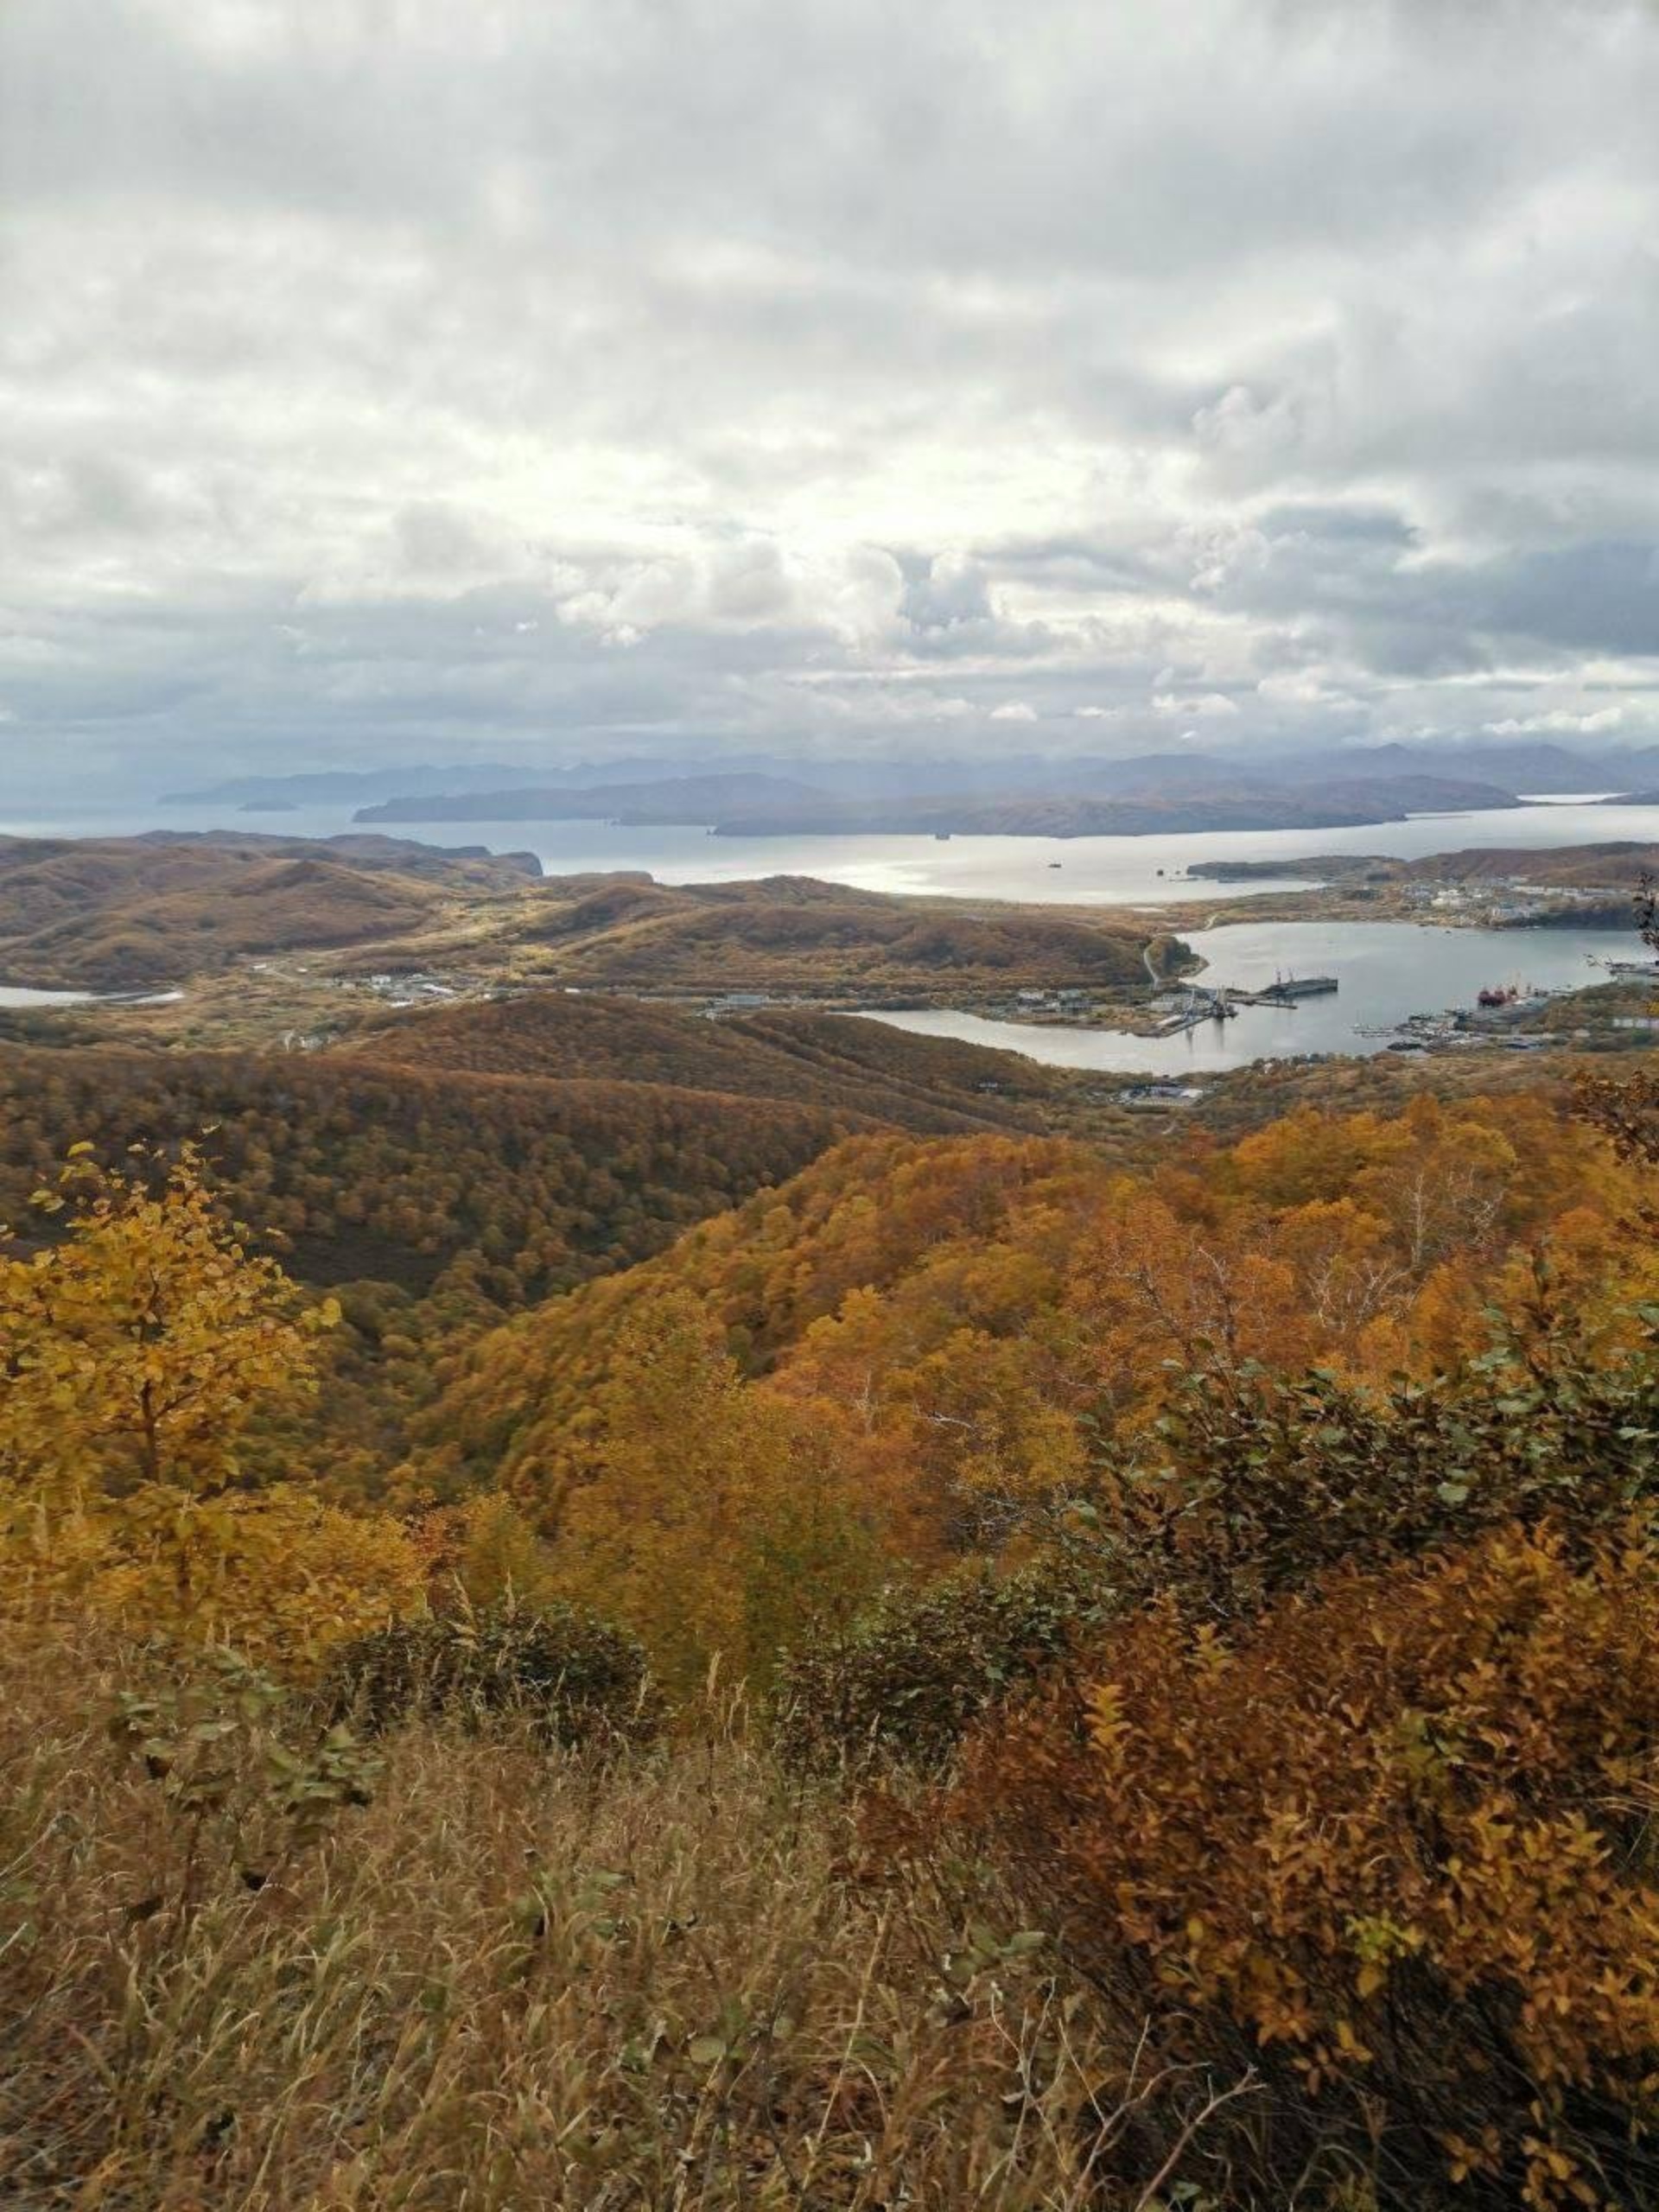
(401, 1172)
(138, 913)
(925, 1084)
(964, 1316)
(980, 1673)
(128, 914)
(1311, 1856)
(448, 1168)
(791, 932)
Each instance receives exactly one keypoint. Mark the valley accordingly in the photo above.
(828, 1107)
(450, 1087)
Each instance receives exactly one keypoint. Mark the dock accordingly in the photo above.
(1202, 1005)
(1285, 990)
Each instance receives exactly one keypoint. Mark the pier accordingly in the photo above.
(1285, 990)
(1202, 1004)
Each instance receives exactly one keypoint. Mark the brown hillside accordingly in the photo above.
(125, 913)
(926, 1084)
(1569, 867)
(814, 935)
(128, 914)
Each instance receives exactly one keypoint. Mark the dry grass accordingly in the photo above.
(512, 1980)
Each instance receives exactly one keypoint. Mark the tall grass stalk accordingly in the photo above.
(516, 1979)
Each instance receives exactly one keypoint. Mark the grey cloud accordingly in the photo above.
(548, 376)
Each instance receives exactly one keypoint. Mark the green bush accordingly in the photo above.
(1256, 1483)
(913, 1672)
(580, 1680)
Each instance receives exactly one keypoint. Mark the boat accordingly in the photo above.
(1298, 986)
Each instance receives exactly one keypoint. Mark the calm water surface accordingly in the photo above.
(11, 996)
(1091, 871)
(1385, 971)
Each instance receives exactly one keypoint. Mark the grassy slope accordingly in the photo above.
(489, 1989)
(126, 915)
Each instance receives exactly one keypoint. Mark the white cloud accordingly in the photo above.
(1602, 722)
(1212, 706)
(1013, 710)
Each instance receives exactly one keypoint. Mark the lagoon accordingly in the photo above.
(1385, 971)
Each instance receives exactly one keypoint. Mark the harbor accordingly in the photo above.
(1387, 973)
(1201, 1002)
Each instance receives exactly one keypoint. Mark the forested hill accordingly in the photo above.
(398, 1173)
(963, 1304)
(832, 1061)
(456, 1166)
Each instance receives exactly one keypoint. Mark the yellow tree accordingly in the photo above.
(135, 1347)
(722, 1518)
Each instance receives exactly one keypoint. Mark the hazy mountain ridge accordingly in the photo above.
(1338, 805)
(686, 799)
(1135, 798)
(1520, 764)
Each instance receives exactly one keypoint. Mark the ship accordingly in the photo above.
(1298, 986)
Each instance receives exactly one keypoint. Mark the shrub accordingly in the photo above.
(1393, 1848)
(578, 1678)
(1255, 1482)
(212, 1734)
(917, 1669)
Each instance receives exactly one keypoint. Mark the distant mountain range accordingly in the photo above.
(1145, 804)
(1244, 805)
(1141, 795)
(683, 798)
(1518, 767)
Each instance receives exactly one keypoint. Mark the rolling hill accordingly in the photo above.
(134, 914)
(793, 932)
(834, 1062)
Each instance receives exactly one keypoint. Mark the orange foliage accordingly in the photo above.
(1393, 1845)
(966, 1318)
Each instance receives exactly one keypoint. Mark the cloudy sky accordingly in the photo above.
(397, 379)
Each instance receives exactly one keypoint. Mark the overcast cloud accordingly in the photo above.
(399, 378)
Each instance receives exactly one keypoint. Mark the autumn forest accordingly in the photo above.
(606, 1607)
